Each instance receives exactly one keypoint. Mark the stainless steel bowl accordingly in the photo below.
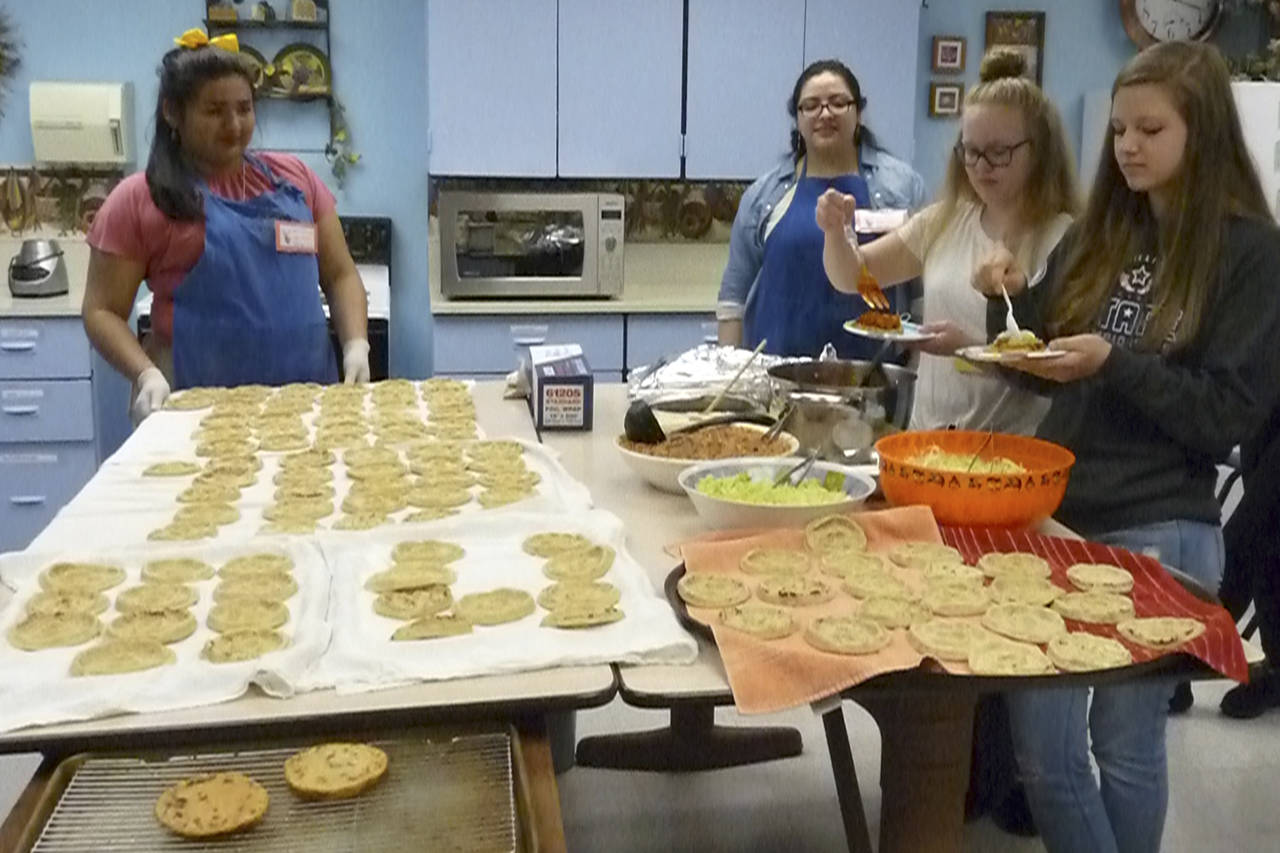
(891, 387)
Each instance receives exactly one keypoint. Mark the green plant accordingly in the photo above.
(340, 153)
(1263, 64)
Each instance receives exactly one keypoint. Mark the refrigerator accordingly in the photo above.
(1259, 108)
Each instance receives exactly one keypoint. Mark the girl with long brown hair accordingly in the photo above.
(1163, 299)
(1010, 177)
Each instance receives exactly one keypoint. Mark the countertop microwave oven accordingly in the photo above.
(531, 245)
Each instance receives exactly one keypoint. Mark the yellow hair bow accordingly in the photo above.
(194, 38)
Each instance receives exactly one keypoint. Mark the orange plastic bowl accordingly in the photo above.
(985, 500)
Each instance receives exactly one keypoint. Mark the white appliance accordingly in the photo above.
(1259, 108)
(526, 245)
(82, 124)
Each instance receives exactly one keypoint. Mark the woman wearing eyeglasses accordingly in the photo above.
(1010, 178)
(773, 286)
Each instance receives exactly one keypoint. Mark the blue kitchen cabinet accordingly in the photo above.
(743, 61)
(62, 411)
(491, 81)
(619, 85)
(491, 344)
(878, 40)
(651, 336)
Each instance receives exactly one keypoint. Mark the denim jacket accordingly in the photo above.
(892, 183)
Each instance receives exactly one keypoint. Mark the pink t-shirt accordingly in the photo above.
(130, 225)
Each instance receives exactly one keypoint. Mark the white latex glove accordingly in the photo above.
(153, 390)
(355, 361)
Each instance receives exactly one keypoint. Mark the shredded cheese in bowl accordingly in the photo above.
(937, 458)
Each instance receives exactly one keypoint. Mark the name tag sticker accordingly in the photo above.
(297, 238)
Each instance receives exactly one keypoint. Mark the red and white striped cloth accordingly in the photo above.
(1155, 592)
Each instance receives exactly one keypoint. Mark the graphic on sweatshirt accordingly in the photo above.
(1132, 305)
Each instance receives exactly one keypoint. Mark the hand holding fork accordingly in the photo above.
(835, 217)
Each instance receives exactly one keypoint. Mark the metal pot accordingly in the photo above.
(823, 422)
(886, 396)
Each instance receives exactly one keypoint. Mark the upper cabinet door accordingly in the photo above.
(743, 61)
(619, 73)
(878, 40)
(491, 80)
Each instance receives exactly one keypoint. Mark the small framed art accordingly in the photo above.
(945, 99)
(948, 54)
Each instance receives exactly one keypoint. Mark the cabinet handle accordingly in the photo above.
(17, 346)
(27, 500)
(529, 342)
(20, 410)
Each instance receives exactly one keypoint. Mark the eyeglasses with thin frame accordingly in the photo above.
(810, 107)
(996, 155)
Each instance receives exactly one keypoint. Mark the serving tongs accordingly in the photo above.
(802, 468)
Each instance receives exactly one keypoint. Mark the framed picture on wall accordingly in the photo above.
(1023, 32)
(948, 54)
(945, 99)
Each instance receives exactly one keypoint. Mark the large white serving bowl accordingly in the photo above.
(663, 473)
(719, 512)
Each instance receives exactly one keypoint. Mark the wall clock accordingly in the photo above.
(1151, 21)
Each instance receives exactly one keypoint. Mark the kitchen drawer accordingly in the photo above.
(491, 343)
(36, 480)
(651, 336)
(43, 348)
(58, 410)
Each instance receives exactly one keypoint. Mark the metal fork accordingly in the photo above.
(868, 289)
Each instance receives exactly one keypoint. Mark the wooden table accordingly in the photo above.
(925, 717)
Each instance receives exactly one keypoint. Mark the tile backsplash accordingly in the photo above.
(657, 211)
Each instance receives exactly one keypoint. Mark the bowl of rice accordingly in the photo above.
(972, 477)
(660, 464)
(741, 493)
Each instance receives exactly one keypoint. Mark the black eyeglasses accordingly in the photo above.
(996, 156)
(812, 106)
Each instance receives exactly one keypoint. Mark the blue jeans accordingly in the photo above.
(1052, 728)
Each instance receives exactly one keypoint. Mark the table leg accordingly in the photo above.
(15, 823)
(693, 741)
(924, 768)
(856, 833)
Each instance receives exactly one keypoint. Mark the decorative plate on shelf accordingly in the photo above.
(257, 65)
(301, 69)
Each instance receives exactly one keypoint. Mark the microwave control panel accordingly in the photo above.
(612, 226)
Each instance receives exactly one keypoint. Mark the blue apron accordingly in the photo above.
(247, 313)
(795, 307)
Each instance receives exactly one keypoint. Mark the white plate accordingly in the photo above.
(989, 356)
(911, 332)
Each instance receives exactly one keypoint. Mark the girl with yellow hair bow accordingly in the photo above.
(235, 246)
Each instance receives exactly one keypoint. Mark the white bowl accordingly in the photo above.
(720, 512)
(663, 473)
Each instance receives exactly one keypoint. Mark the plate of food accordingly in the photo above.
(887, 326)
(1022, 345)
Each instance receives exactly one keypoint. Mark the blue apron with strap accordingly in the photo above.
(794, 306)
(246, 312)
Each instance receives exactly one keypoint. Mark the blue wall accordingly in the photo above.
(380, 68)
(1085, 47)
